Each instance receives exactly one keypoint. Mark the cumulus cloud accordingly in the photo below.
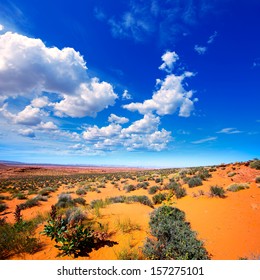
(116, 119)
(229, 130)
(200, 49)
(88, 101)
(96, 133)
(29, 116)
(29, 67)
(47, 126)
(169, 58)
(141, 134)
(146, 125)
(26, 132)
(170, 97)
(1, 27)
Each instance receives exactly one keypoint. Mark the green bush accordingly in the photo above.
(237, 187)
(81, 191)
(71, 236)
(17, 238)
(231, 174)
(255, 164)
(29, 203)
(194, 182)
(217, 191)
(153, 190)
(180, 192)
(173, 238)
(159, 198)
(129, 188)
(65, 200)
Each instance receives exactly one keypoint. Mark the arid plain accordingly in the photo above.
(221, 204)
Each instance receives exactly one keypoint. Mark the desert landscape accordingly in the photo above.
(101, 213)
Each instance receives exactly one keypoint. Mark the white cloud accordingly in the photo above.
(170, 97)
(229, 130)
(47, 126)
(148, 124)
(96, 133)
(126, 95)
(141, 134)
(28, 67)
(1, 27)
(209, 139)
(116, 119)
(212, 37)
(88, 101)
(40, 102)
(26, 132)
(200, 49)
(169, 58)
(29, 116)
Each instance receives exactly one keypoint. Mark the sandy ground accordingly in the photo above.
(229, 227)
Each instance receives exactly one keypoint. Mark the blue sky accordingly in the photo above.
(138, 83)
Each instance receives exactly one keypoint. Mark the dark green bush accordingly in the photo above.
(159, 198)
(29, 203)
(217, 191)
(3, 207)
(153, 190)
(81, 191)
(173, 238)
(17, 238)
(71, 236)
(65, 200)
(180, 192)
(194, 182)
(255, 164)
(129, 188)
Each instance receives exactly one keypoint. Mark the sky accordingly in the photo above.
(134, 83)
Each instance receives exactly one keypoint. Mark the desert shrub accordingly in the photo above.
(65, 200)
(257, 179)
(117, 199)
(180, 192)
(172, 237)
(231, 174)
(79, 200)
(3, 207)
(142, 185)
(153, 190)
(75, 215)
(237, 187)
(194, 182)
(143, 199)
(20, 196)
(159, 198)
(255, 164)
(204, 174)
(217, 191)
(29, 203)
(172, 185)
(17, 238)
(129, 188)
(81, 191)
(46, 191)
(71, 236)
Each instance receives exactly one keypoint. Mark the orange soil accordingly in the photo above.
(229, 227)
